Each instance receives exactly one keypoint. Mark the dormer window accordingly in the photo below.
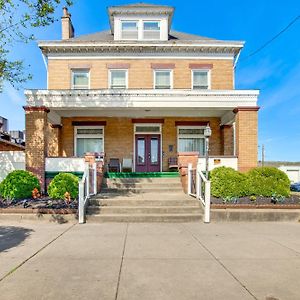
(151, 30)
(130, 30)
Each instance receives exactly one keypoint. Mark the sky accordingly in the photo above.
(275, 70)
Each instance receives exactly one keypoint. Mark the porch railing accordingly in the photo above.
(199, 187)
(87, 188)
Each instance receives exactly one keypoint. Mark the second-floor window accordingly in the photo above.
(129, 30)
(151, 30)
(162, 79)
(200, 79)
(80, 79)
(118, 79)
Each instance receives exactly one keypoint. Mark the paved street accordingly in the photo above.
(150, 261)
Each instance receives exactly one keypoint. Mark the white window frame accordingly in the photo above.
(109, 78)
(163, 70)
(149, 132)
(92, 136)
(208, 71)
(73, 71)
(143, 30)
(138, 29)
(190, 135)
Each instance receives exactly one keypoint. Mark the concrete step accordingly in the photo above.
(142, 218)
(142, 202)
(139, 190)
(143, 210)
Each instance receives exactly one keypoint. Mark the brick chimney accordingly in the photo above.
(66, 25)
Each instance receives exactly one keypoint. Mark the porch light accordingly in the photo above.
(207, 131)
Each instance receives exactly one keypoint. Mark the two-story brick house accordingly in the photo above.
(140, 91)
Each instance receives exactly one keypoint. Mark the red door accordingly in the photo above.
(147, 153)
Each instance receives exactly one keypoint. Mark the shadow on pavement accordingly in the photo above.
(11, 236)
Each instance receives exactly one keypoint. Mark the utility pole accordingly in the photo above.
(263, 155)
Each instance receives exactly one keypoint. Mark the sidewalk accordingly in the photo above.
(150, 261)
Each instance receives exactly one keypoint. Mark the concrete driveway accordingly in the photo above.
(150, 261)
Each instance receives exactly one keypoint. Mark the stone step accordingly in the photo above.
(142, 218)
(139, 190)
(143, 210)
(142, 202)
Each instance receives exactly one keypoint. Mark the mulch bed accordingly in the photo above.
(43, 205)
(292, 202)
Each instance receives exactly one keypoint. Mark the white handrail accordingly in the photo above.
(200, 181)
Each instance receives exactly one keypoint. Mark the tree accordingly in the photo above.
(17, 18)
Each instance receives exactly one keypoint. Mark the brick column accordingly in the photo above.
(246, 137)
(54, 140)
(36, 141)
(227, 139)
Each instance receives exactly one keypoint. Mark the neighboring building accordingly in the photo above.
(140, 91)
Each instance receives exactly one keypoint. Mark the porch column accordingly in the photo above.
(36, 141)
(246, 137)
(227, 139)
(54, 140)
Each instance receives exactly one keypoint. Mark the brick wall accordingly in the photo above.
(246, 138)
(119, 134)
(140, 73)
(227, 140)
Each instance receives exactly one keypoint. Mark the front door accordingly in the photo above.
(147, 153)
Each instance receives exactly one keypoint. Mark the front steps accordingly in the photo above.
(143, 200)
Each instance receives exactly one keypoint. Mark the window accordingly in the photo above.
(118, 79)
(200, 79)
(80, 79)
(151, 30)
(162, 79)
(89, 139)
(191, 139)
(129, 30)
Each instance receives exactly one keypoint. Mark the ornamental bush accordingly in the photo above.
(19, 184)
(267, 181)
(227, 182)
(63, 183)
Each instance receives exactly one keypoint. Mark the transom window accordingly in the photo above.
(118, 79)
(162, 79)
(147, 128)
(89, 139)
(151, 30)
(191, 139)
(201, 79)
(129, 30)
(80, 79)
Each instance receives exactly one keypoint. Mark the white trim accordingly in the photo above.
(171, 78)
(133, 56)
(148, 133)
(208, 78)
(190, 135)
(109, 78)
(80, 70)
(88, 136)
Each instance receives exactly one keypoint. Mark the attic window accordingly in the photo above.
(129, 30)
(151, 30)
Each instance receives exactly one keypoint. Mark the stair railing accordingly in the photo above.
(199, 187)
(87, 187)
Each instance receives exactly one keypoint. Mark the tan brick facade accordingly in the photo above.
(36, 142)
(246, 138)
(140, 73)
(119, 137)
(227, 137)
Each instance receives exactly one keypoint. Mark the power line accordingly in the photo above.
(272, 39)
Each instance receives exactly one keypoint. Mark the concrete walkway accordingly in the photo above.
(150, 261)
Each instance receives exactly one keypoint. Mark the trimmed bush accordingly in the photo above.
(61, 184)
(19, 184)
(227, 182)
(267, 181)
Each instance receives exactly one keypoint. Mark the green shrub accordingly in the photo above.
(62, 183)
(226, 182)
(267, 181)
(19, 185)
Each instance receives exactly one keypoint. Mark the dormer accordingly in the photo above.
(140, 22)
